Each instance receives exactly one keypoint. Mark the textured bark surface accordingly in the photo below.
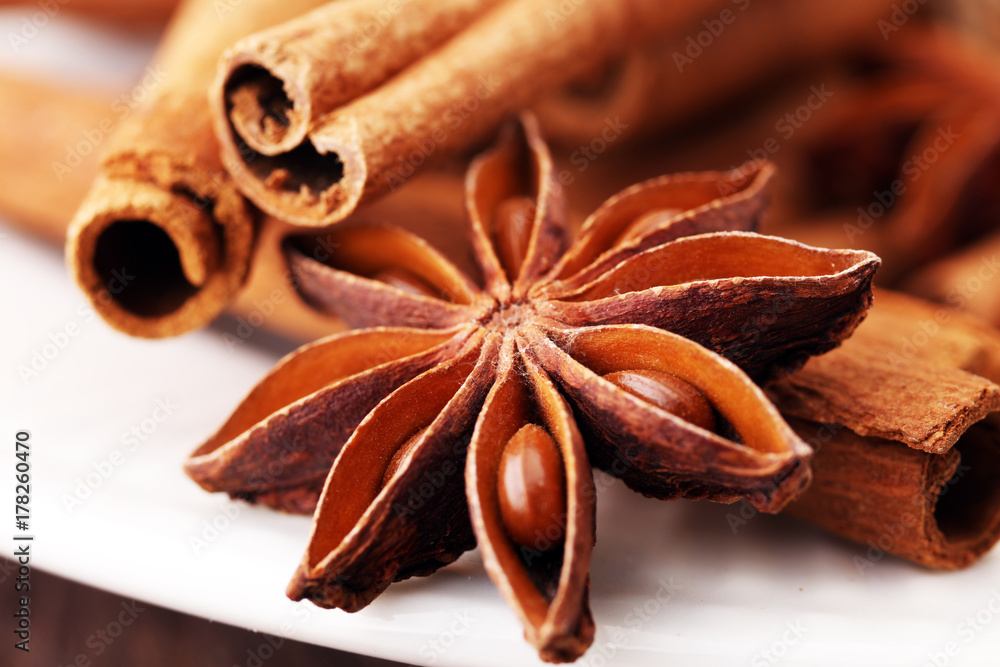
(38, 122)
(448, 101)
(162, 205)
(656, 85)
(906, 429)
(274, 85)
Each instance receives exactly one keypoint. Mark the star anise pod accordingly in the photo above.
(906, 158)
(473, 414)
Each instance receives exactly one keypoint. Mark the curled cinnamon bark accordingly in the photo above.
(42, 131)
(163, 223)
(704, 62)
(140, 13)
(383, 129)
(275, 85)
(906, 433)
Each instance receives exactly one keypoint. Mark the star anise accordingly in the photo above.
(905, 159)
(473, 414)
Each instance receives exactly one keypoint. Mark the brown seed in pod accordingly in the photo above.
(667, 392)
(402, 457)
(511, 232)
(539, 557)
(406, 281)
(648, 223)
(532, 488)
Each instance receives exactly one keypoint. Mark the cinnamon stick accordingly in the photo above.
(966, 279)
(731, 48)
(904, 416)
(448, 100)
(47, 159)
(903, 159)
(126, 12)
(162, 209)
(274, 85)
(431, 207)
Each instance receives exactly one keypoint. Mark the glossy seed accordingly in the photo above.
(401, 457)
(531, 486)
(512, 231)
(647, 223)
(667, 392)
(406, 281)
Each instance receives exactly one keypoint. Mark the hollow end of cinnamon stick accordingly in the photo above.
(967, 507)
(939, 510)
(264, 144)
(907, 436)
(265, 109)
(152, 263)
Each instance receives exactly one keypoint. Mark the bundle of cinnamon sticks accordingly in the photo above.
(274, 118)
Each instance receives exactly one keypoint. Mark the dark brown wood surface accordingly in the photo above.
(72, 624)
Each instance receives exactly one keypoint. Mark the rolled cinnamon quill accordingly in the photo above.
(44, 127)
(904, 416)
(704, 62)
(126, 12)
(163, 223)
(273, 86)
(382, 128)
(904, 158)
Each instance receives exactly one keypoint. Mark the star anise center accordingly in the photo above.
(508, 318)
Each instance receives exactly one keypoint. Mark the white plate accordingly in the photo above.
(672, 583)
